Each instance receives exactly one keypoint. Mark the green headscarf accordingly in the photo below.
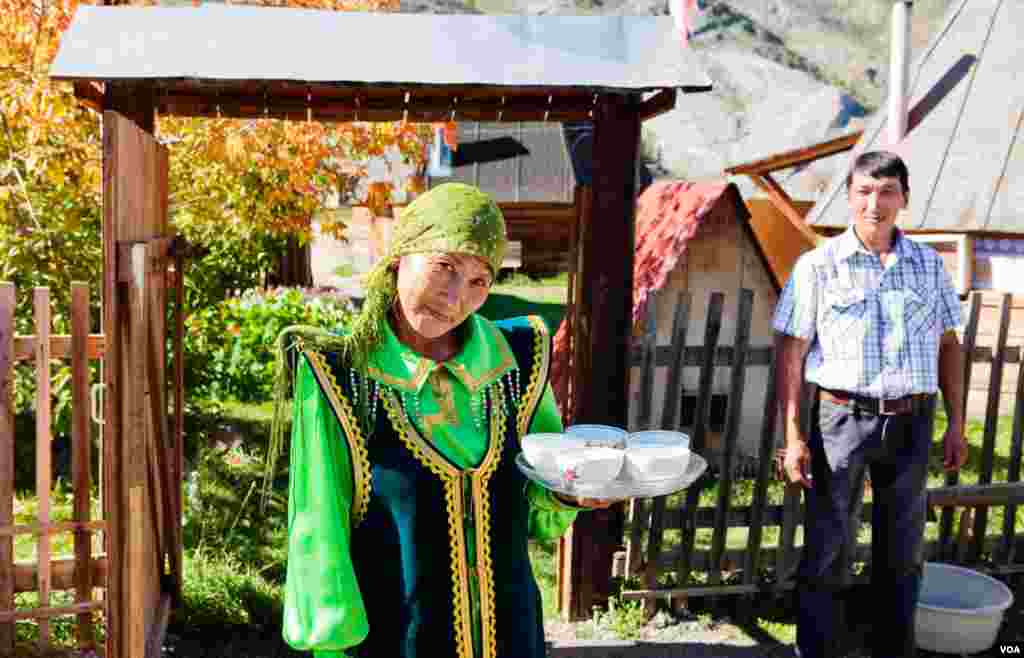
(450, 218)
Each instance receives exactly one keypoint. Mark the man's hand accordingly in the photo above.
(954, 448)
(798, 462)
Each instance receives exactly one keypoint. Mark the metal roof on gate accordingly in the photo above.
(239, 57)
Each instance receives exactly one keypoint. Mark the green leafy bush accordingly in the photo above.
(229, 347)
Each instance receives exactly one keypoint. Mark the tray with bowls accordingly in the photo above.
(609, 463)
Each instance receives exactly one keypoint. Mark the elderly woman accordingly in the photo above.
(408, 521)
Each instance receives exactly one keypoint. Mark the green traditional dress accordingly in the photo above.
(408, 520)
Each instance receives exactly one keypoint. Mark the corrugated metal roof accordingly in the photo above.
(239, 43)
(965, 154)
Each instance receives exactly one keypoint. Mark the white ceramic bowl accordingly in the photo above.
(588, 466)
(659, 437)
(599, 435)
(540, 450)
(655, 462)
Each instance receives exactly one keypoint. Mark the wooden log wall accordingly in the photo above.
(544, 229)
(84, 571)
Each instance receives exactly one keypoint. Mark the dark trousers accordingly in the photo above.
(844, 443)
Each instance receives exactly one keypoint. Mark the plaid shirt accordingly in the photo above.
(873, 331)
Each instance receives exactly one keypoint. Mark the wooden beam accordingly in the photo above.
(658, 104)
(90, 94)
(60, 347)
(161, 251)
(604, 317)
(788, 159)
(784, 203)
(62, 574)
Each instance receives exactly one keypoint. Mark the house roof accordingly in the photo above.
(669, 214)
(964, 146)
(242, 61)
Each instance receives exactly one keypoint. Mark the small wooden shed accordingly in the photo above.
(697, 238)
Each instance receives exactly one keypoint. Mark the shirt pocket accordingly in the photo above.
(844, 323)
(919, 312)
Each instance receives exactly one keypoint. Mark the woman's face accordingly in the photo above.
(437, 292)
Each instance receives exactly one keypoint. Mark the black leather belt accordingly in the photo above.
(907, 405)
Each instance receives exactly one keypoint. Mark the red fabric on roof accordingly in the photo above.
(669, 213)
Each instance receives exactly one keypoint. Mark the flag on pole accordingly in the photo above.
(682, 11)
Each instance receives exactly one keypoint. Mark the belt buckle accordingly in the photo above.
(884, 407)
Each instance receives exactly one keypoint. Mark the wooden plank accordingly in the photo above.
(669, 417)
(138, 563)
(978, 495)
(43, 615)
(988, 446)
(744, 309)
(796, 157)
(969, 339)
(786, 206)
(43, 529)
(7, 585)
(113, 167)
(81, 443)
(161, 253)
(605, 311)
(44, 443)
(711, 331)
(1013, 471)
(791, 515)
(155, 638)
(179, 414)
(62, 574)
(60, 347)
(643, 421)
(661, 102)
(759, 503)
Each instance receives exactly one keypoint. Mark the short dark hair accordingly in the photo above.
(880, 164)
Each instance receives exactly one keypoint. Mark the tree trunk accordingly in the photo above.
(293, 267)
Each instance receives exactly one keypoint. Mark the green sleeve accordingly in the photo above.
(323, 607)
(549, 517)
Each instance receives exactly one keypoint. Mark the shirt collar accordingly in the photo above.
(848, 244)
(485, 356)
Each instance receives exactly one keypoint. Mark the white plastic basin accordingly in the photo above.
(959, 610)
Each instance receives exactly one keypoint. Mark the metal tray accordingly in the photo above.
(619, 488)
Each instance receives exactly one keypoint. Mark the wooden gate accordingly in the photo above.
(143, 441)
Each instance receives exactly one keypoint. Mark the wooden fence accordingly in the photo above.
(757, 567)
(85, 572)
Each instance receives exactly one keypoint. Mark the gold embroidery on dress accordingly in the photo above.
(412, 384)
(506, 361)
(361, 473)
(481, 489)
(538, 374)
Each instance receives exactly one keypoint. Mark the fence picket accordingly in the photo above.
(759, 503)
(988, 447)
(643, 421)
(7, 303)
(81, 441)
(744, 308)
(680, 327)
(945, 546)
(41, 303)
(1013, 472)
(701, 413)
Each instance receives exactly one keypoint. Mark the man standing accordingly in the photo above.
(875, 315)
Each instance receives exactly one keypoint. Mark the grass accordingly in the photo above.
(518, 294)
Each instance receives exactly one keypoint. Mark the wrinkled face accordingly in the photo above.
(437, 292)
(875, 202)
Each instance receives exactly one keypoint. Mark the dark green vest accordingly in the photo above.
(428, 591)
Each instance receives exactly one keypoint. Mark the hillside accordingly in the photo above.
(786, 73)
